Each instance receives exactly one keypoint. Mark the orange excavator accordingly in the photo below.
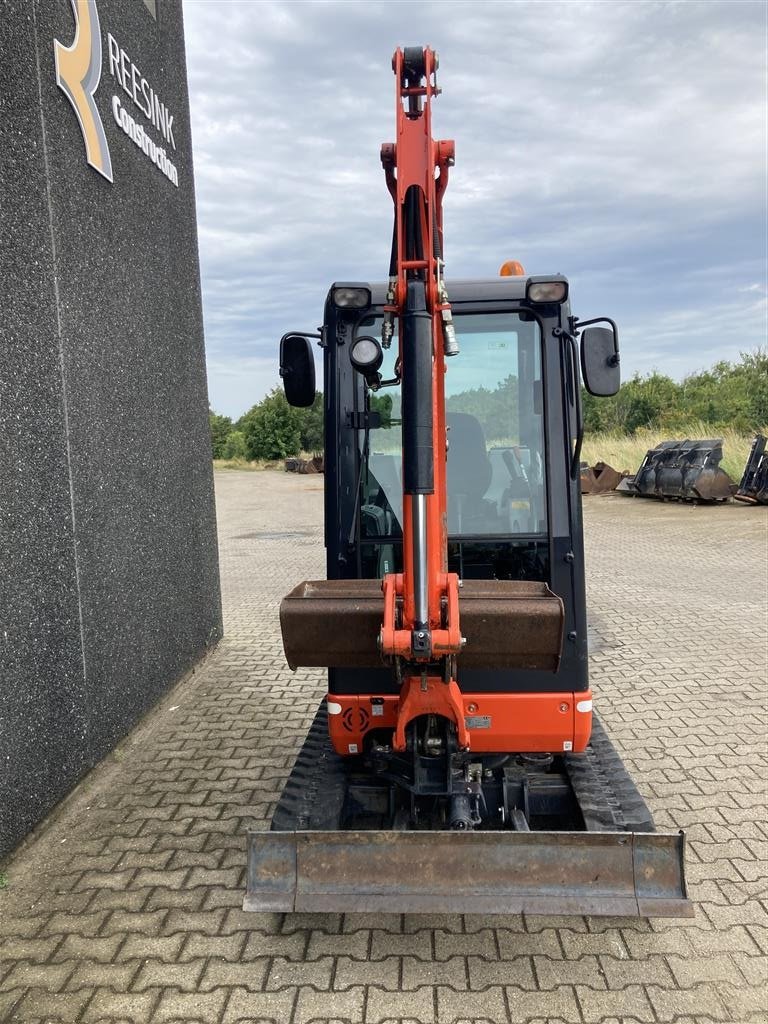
(455, 764)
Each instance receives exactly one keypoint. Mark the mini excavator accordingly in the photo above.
(455, 764)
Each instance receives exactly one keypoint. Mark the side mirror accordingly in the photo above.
(297, 368)
(600, 360)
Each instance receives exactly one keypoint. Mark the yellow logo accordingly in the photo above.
(78, 72)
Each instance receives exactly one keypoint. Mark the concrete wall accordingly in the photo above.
(109, 586)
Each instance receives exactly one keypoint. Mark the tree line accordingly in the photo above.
(731, 395)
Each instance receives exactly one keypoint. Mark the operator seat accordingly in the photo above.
(469, 475)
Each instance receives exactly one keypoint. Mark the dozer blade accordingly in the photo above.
(601, 873)
(508, 624)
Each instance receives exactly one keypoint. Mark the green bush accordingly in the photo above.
(382, 404)
(220, 429)
(731, 395)
(312, 439)
(235, 446)
(272, 428)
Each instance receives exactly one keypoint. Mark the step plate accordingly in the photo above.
(622, 874)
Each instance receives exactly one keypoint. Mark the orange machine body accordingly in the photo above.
(526, 722)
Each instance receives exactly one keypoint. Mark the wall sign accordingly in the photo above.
(78, 73)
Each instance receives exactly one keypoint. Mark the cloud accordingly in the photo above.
(622, 144)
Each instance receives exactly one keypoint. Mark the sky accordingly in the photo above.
(621, 144)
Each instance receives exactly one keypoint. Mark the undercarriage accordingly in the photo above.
(508, 834)
(430, 788)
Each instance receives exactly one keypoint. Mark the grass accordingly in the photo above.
(626, 452)
(257, 465)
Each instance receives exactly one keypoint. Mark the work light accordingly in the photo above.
(366, 357)
(351, 297)
(546, 289)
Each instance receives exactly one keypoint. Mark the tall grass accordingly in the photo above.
(246, 464)
(626, 451)
(251, 465)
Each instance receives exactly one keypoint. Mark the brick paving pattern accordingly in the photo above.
(126, 906)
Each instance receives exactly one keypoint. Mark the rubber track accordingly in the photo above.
(313, 796)
(607, 796)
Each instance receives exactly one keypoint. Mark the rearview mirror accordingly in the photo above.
(297, 368)
(600, 360)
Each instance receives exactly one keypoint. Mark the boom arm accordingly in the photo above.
(421, 606)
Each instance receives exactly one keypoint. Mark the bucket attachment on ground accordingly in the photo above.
(685, 470)
(507, 623)
(599, 479)
(600, 873)
(314, 465)
(753, 489)
(627, 486)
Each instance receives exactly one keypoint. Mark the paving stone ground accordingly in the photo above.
(126, 906)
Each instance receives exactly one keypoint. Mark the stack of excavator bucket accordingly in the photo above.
(683, 471)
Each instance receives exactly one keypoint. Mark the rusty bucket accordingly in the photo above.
(507, 624)
(599, 479)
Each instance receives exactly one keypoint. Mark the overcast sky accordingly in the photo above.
(622, 144)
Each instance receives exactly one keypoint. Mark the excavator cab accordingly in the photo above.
(513, 518)
(455, 763)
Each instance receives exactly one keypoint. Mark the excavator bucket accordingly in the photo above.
(683, 470)
(508, 623)
(599, 479)
(601, 873)
(753, 489)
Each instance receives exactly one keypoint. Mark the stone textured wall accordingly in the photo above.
(109, 587)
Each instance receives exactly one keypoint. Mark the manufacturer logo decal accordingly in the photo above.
(78, 72)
